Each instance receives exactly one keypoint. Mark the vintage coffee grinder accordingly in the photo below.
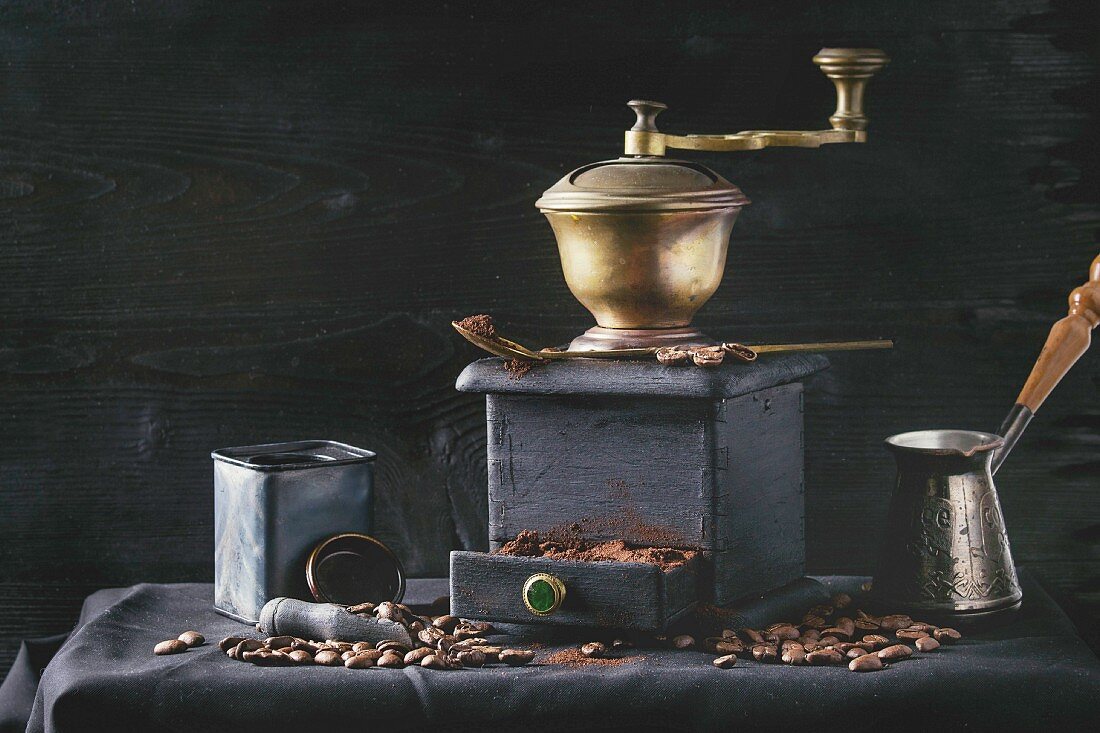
(709, 461)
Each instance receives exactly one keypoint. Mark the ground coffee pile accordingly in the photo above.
(529, 544)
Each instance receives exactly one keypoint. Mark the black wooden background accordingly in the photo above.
(226, 223)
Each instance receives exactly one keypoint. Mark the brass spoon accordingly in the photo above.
(507, 349)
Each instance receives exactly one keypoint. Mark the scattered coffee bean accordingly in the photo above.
(753, 636)
(229, 642)
(683, 641)
(910, 634)
(301, 657)
(433, 661)
(391, 660)
(895, 622)
(328, 658)
(844, 628)
(471, 658)
(864, 625)
(359, 661)
(926, 644)
(707, 356)
(795, 655)
(192, 639)
(491, 653)
(171, 646)
(765, 653)
(361, 608)
(246, 645)
(866, 663)
(515, 657)
(824, 656)
(396, 646)
(921, 626)
(841, 600)
(877, 641)
(828, 640)
(594, 649)
(897, 651)
(278, 642)
(672, 356)
(729, 646)
(856, 652)
(417, 655)
(305, 646)
(946, 635)
(814, 622)
(387, 611)
(362, 646)
(446, 623)
(725, 662)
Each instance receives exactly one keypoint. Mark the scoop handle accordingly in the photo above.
(1069, 338)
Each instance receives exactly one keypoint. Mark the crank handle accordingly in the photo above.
(848, 68)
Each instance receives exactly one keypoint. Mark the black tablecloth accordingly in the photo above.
(1033, 673)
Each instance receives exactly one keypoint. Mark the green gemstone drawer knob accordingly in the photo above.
(543, 594)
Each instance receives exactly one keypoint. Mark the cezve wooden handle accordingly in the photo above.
(1068, 340)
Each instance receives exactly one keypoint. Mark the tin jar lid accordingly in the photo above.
(352, 568)
(641, 184)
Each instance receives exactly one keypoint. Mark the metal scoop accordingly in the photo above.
(508, 349)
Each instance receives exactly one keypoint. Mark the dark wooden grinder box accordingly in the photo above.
(700, 459)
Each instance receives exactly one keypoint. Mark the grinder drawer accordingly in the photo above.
(619, 595)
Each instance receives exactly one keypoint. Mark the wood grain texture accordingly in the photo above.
(226, 223)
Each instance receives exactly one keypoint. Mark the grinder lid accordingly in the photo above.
(641, 184)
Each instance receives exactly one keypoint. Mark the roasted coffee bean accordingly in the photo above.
(305, 646)
(725, 662)
(921, 626)
(866, 663)
(877, 640)
(172, 646)
(446, 623)
(416, 655)
(728, 646)
(910, 634)
(273, 659)
(795, 655)
(765, 653)
(388, 611)
(753, 636)
(865, 625)
(841, 600)
(594, 649)
(783, 631)
(229, 642)
(683, 641)
(895, 622)
(359, 661)
(824, 656)
(328, 658)
(349, 654)
(811, 646)
(729, 634)
(301, 657)
(828, 640)
(809, 635)
(433, 661)
(416, 627)
(445, 642)
(946, 635)
(340, 646)
(278, 642)
(471, 658)
(388, 645)
(286, 649)
(490, 652)
(246, 645)
(926, 644)
(844, 628)
(362, 646)
(814, 622)
(897, 651)
(430, 636)
(856, 651)
(391, 660)
(707, 356)
(845, 646)
(672, 356)
(361, 608)
(515, 657)
(192, 639)
(481, 627)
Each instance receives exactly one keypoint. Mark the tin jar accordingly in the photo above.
(273, 504)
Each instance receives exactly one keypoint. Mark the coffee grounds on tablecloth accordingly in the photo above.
(575, 658)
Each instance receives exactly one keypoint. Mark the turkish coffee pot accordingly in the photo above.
(946, 554)
(643, 238)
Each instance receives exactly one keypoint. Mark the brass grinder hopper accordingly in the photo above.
(643, 238)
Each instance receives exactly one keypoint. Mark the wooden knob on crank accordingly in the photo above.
(1068, 340)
